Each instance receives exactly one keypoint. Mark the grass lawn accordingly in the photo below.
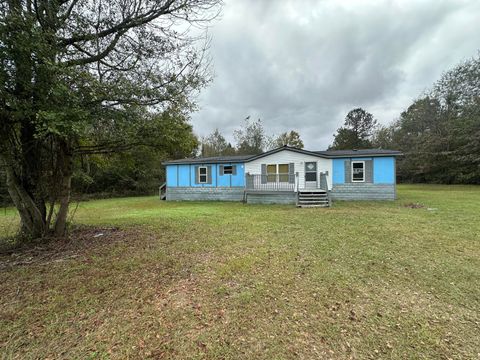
(234, 281)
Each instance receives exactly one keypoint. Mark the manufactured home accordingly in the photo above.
(285, 175)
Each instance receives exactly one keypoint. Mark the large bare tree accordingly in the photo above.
(89, 76)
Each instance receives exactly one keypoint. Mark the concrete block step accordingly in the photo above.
(308, 204)
(313, 206)
(313, 202)
(313, 197)
(312, 192)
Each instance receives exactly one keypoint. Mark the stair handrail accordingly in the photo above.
(323, 176)
(162, 190)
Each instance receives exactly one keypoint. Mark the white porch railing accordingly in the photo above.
(283, 182)
(271, 182)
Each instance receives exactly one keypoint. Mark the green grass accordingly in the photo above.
(230, 281)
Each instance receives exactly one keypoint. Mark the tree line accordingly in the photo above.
(250, 139)
(439, 133)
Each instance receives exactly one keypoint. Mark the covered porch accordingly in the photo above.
(286, 189)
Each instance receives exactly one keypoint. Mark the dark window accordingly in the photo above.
(311, 171)
(310, 176)
(202, 175)
(358, 171)
(228, 170)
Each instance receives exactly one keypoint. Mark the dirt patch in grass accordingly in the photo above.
(78, 243)
(414, 205)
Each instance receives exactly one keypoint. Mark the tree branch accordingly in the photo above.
(106, 148)
(125, 25)
(97, 57)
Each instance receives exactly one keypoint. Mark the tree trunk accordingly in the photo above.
(32, 218)
(66, 172)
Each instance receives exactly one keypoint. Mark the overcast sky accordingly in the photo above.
(302, 65)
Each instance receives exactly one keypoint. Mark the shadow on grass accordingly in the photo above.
(80, 240)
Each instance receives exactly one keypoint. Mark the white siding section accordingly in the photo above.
(286, 157)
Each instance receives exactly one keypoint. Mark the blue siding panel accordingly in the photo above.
(188, 177)
(214, 176)
(239, 178)
(384, 170)
(223, 180)
(172, 180)
(338, 171)
(192, 175)
(183, 175)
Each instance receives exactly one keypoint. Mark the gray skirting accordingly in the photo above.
(354, 191)
(272, 197)
(363, 191)
(204, 193)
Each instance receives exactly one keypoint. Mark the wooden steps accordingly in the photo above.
(316, 198)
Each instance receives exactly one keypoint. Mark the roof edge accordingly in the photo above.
(199, 161)
(364, 155)
(274, 151)
(285, 147)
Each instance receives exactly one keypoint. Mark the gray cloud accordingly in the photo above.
(304, 64)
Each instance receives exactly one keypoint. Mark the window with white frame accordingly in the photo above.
(358, 171)
(202, 175)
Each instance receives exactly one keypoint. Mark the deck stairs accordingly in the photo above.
(313, 198)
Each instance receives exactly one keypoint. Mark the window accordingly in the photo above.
(202, 175)
(277, 172)
(283, 172)
(227, 170)
(358, 171)
(311, 171)
(271, 173)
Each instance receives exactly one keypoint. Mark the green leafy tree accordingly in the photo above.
(88, 77)
(439, 133)
(251, 138)
(139, 170)
(409, 134)
(357, 131)
(382, 137)
(215, 144)
(291, 138)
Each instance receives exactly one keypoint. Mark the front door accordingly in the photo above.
(311, 175)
